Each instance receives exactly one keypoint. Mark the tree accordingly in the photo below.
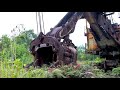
(5, 47)
(5, 42)
(25, 37)
(17, 47)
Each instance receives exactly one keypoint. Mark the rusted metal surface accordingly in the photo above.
(91, 43)
(61, 53)
(48, 48)
(102, 37)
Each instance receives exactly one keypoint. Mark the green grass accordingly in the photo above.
(14, 69)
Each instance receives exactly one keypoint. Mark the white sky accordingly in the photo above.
(8, 21)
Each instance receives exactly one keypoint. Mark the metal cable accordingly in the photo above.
(37, 22)
(43, 22)
(40, 21)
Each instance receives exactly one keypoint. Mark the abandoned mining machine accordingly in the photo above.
(56, 46)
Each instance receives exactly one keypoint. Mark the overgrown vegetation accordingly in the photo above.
(14, 54)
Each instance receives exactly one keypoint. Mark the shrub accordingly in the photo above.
(116, 72)
(56, 73)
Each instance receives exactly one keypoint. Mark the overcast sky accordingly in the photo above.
(8, 21)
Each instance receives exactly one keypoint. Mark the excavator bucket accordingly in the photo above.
(47, 50)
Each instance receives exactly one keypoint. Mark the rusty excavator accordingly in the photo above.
(55, 47)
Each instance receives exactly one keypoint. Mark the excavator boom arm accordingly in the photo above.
(101, 28)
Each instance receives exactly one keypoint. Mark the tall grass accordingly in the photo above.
(14, 69)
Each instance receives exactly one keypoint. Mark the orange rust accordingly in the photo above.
(91, 43)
